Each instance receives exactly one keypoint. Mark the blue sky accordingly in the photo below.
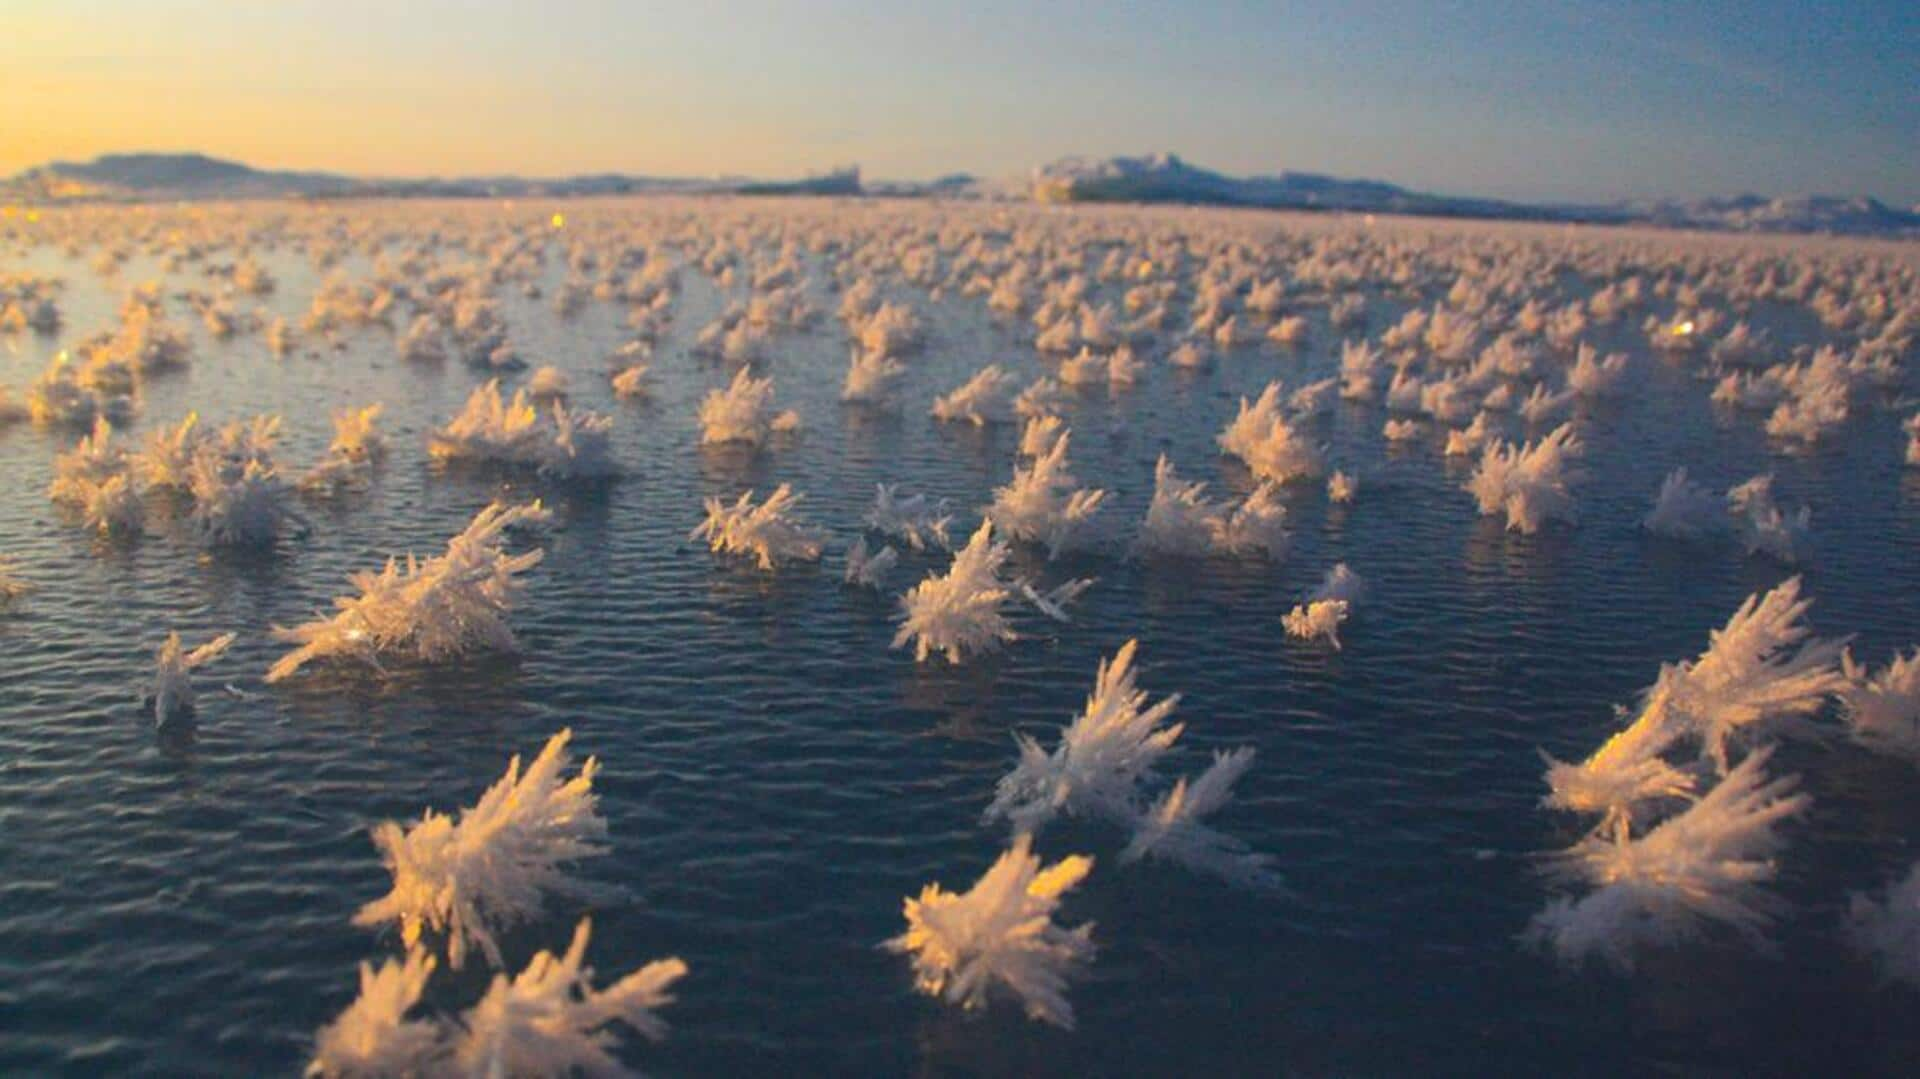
(1524, 100)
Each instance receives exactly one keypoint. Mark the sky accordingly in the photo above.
(1538, 100)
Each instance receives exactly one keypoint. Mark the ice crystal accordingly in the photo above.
(960, 612)
(1704, 866)
(1101, 759)
(467, 878)
(1001, 934)
(549, 1020)
(172, 698)
(432, 611)
(1044, 504)
(768, 532)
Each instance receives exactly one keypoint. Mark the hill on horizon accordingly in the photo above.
(1151, 178)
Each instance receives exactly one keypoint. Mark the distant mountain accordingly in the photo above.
(1859, 216)
(168, 176)
(161, 177)
(842, 181)
(1166, 178)
(959, 185)
(1151, 178)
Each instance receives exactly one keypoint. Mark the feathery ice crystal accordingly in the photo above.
(743, 412)
(172, 697)
(914, 520)
(890, 330)
(167, 462)
(1001, 933)
(1815, 402)
(984, 399)
(1271, 448)
(549, 382)
(1473, 438)
(424, 341)
(1044, 396)
(516, 434)
(1054, 603)
(1321, 614)
(1530, 484)
(357, 446)
(1182, 521)
(59, 398)
(96, 478)
(1760, 668)
(1043, 504)
(768, 532)
(1763, 526)
(493, 867)
(1705, 865)
(354, 435)
(549, 1020)
(1630, 767)
(1040, 433)
(1086, 369)
(92, 460)
(1756, 670)
(1190, 355)
(1257, 526)
(1171, 828)
(1883, 711)
(237, 501)
(869, 569)
(871, 377)
(960, 612)
(431, 611)
(1592, 376)
(630, 382)
(1289, 331)
(1101, 759)
(373, 1038)
(1685, 510)
(1889, 931)
(1341, 488)
(238, 498)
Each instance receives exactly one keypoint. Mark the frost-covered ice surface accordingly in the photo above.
(776, 777)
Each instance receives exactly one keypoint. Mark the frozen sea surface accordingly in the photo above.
(776, 779)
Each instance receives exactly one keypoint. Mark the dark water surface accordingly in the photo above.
(776, 779)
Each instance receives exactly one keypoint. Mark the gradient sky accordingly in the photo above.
(1539, 100)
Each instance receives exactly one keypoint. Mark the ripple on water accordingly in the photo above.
(776, 778)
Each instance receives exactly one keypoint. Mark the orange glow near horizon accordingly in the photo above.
(1532, 103)
(155, 84)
